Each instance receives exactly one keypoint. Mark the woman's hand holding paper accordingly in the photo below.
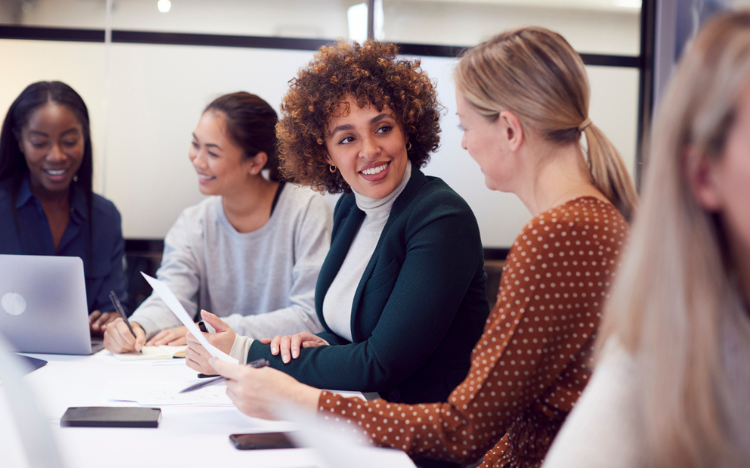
(223, 339)
(256, 391)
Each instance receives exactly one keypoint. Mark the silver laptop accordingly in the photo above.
(43, 305)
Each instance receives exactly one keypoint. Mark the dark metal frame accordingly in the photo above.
(646, 82)
(254, 42)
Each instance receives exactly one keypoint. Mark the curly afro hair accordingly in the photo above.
(371, 74)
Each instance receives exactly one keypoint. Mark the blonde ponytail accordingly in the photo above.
(534, 73)
(608, 172)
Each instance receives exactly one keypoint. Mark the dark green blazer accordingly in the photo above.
(419, 308)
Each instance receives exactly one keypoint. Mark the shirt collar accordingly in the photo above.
(77, 197)
(24, 193)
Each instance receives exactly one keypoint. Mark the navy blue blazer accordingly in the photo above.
(419, 308)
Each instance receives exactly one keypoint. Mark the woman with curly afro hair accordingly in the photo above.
(401, 294)
(343, 74)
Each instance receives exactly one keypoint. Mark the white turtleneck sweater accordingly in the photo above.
(338, 303)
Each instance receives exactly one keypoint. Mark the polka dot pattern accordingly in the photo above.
(533, 360)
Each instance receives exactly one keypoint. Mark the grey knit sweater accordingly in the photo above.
(262, 283)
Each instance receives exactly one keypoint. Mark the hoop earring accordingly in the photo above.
(332, 168)
(408, 146)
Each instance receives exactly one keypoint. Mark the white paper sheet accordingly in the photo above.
(174, 305)
(168, 393)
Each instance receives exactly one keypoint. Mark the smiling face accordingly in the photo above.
(218, 161)
(368, 147)
(52, 141)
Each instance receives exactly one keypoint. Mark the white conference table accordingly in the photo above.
(187, 436)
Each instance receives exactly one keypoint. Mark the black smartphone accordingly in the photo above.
(262, 441)
(110, 416)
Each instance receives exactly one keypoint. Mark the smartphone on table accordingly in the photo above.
(262, 441)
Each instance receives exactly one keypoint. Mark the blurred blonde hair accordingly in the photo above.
(675, 294)
(535, 74)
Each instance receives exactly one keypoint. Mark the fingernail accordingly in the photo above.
(274, 350)
(295, 354)
(285, 358)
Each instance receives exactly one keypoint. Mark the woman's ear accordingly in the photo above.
(701, 173)
(512, 131)
(256, 163)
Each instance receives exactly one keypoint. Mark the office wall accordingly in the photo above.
(145, 106)
(609, 31)
(290, 18)
(594, 26)
(157, 94)
(79, 65)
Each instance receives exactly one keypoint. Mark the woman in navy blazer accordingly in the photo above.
(401, 294)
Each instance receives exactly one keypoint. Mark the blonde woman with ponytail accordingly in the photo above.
(533, 78)
(522, 99)
(672, 388)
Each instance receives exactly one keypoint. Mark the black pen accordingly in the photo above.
(256, 364)
(119, 309)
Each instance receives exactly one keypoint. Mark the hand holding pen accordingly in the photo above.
(121, 311)
(120, 336)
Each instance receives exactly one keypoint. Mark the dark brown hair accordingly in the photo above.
(251, 123)
(371, 74)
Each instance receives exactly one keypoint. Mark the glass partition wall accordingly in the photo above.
(147, 82)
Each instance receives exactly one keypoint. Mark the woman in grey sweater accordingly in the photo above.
(251, 252)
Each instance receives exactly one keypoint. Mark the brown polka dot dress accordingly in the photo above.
(533, 360)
